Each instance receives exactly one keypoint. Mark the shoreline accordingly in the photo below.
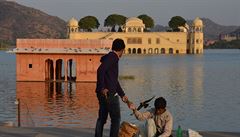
(82, 132)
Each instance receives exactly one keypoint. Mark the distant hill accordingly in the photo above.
(18, 21)
(211, 29)
(237, 31)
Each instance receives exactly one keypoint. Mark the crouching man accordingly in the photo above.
(159, 120)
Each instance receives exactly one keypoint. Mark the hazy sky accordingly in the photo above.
(224, 12)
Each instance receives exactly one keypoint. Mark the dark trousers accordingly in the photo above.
(107, 106)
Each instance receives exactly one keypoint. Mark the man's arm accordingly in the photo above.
(168, 127)
(120, 90)
(140, 116)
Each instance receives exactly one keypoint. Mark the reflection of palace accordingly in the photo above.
(189, 40)
(57, 104)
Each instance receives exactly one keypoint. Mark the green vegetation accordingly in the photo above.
(127, 77)
(147, 20)
(113, 20)
(88, 23)
(176, 22)
(234, 44)
(4, 44)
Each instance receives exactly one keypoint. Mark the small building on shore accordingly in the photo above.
(59, 59)
(188, 41)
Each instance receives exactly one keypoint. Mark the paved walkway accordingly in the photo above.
(76, 132)
(46, 132)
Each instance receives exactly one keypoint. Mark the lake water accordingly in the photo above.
(202, 91)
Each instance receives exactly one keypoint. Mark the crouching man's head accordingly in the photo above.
(160, 105)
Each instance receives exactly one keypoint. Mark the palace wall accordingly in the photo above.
(148, 41)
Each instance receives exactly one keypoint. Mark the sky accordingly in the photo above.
(224, 12)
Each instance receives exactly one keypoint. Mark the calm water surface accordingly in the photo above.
(202, 91)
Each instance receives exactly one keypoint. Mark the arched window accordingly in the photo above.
(71, 74)
(156, 51)
(134, 51)
(144, 51)
(197, 41)
(134, 29)
(197, 51)
(129, 51)
(139, 51)
(49, 69)
(139, 29)
(162, 50)
(177, 51)
(170, 50)
(150, 51)
(59, 69)
(129, 29)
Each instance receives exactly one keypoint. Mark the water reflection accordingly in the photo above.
(57, 104)
(177, 78)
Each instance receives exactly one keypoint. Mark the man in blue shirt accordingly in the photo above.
(108, 89)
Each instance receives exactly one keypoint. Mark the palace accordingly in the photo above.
(77, 58)
(188, 41)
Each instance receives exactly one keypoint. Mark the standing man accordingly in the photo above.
(108, 89)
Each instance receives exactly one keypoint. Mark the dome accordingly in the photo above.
(134, 21)
(197, 22)
(73, 22)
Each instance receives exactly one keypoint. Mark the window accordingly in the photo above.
(134, 40)
(157, 41)
(29, 65)
(149, 41)
(139, 30)
(134, 29)
(197, 41)
(177, 40)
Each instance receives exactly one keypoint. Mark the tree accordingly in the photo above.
(120, 29)
(114, 20)
(147, 20)
(176, 22)
(113, 29)
(88, 23)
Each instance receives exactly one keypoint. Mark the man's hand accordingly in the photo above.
(125, 99)
(132, 106)
(104, 92)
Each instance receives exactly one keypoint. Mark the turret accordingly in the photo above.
(196, 37)
(72, 26)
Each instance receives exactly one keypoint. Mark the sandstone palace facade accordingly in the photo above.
(188, 41)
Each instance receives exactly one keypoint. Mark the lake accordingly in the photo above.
(202, 92)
